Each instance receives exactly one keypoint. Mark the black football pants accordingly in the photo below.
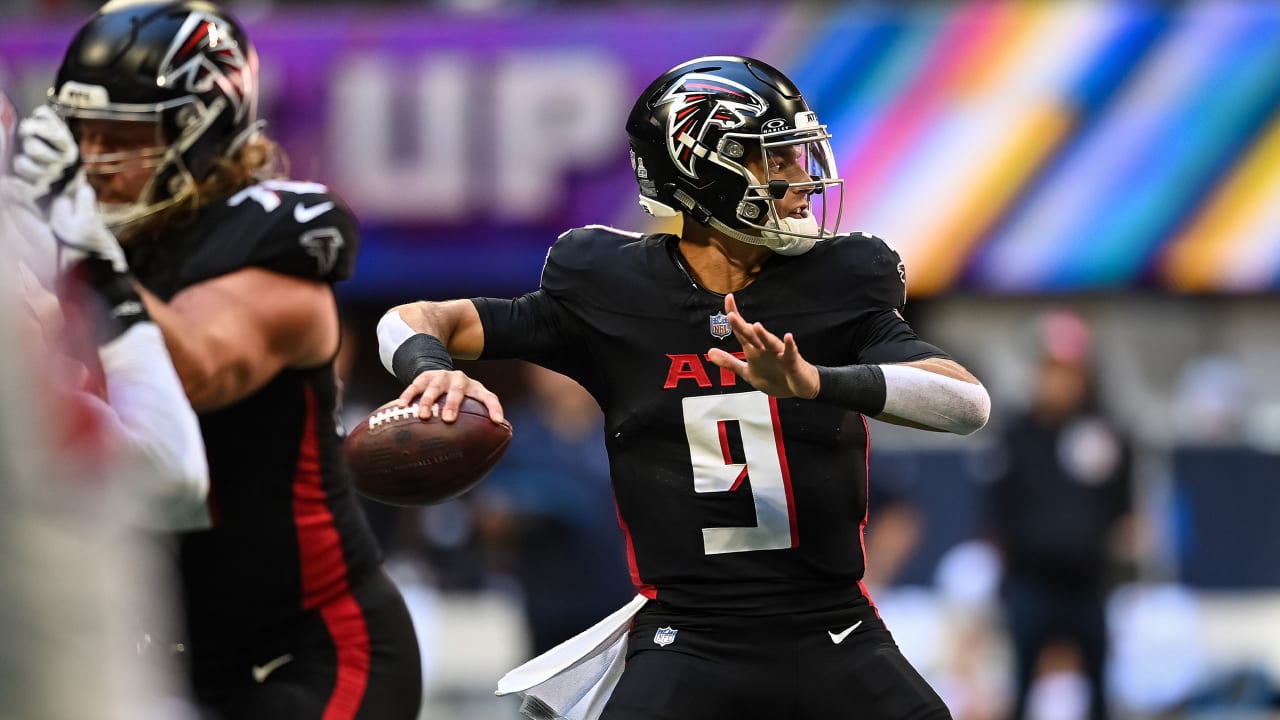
(358, 662)
(830, 665)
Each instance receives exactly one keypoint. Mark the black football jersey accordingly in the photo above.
(288, 534)
(731, 500)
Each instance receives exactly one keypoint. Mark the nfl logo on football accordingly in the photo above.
(720, 326)
(665, 636)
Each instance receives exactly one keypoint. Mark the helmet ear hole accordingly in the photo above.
(186, 117)
(753, 210)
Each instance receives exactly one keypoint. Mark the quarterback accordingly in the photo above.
(735, 364)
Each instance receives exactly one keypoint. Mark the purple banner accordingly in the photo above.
(445, 121)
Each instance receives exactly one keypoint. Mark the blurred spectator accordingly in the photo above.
(1057, 505)
(547, 511)
(894, 524)
(1211, 401)
(1158, 654)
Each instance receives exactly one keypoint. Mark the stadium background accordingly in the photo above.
(1121, 159)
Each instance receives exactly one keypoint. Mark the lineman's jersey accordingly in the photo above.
(288, 534)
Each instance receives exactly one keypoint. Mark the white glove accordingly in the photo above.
(49, 153)
(79, 228)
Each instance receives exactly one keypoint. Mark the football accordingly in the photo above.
(400, 459)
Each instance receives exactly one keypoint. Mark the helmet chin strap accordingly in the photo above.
(779, 242)
(123, 218)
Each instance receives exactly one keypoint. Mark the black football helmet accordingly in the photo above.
(185, 66)
(695, 130)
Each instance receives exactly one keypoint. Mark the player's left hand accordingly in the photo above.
(773, 364)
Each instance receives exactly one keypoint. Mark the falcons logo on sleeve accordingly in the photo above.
(323, 244)
(704, 100)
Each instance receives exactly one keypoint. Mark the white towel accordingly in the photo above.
(573, 680)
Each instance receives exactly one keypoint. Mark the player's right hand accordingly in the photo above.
(48, 154)
(449, 387)
(770, 364)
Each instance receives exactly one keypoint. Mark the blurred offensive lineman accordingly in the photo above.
(288, 611)
(738, 464)
(97, 442)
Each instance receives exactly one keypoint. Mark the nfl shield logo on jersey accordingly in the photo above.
(720, 326)
(665, 636)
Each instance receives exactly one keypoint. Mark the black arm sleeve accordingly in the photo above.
(890, 339)
(534, 327)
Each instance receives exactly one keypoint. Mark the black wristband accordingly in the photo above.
(418, 354)
(859, 388)
(116, 305)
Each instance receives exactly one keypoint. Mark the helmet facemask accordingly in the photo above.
(797, 164)
(185, 119)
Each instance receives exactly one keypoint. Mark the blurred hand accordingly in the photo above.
(48, 154)
(80, 230)
(40, 302)
(30, 241)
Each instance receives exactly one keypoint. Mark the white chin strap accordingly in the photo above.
(776, 241)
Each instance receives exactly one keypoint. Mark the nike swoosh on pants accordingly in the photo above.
(839, 637)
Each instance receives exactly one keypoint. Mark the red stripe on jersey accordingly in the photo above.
(642, 587)
(323, 568)
(786, 471)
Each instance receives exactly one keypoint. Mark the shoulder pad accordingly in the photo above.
(871, 268)
(592, 250)
(302, 229)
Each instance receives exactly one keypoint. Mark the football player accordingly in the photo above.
(288, 611)
(735, 363)
(79, 311)
(97, 440)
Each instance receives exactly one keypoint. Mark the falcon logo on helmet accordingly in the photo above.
(205, 53)
(706, 100)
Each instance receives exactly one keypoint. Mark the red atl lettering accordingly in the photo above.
(690, 367)
(686, 367)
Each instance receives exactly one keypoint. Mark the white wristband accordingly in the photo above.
(934, 400)
(392, 332)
